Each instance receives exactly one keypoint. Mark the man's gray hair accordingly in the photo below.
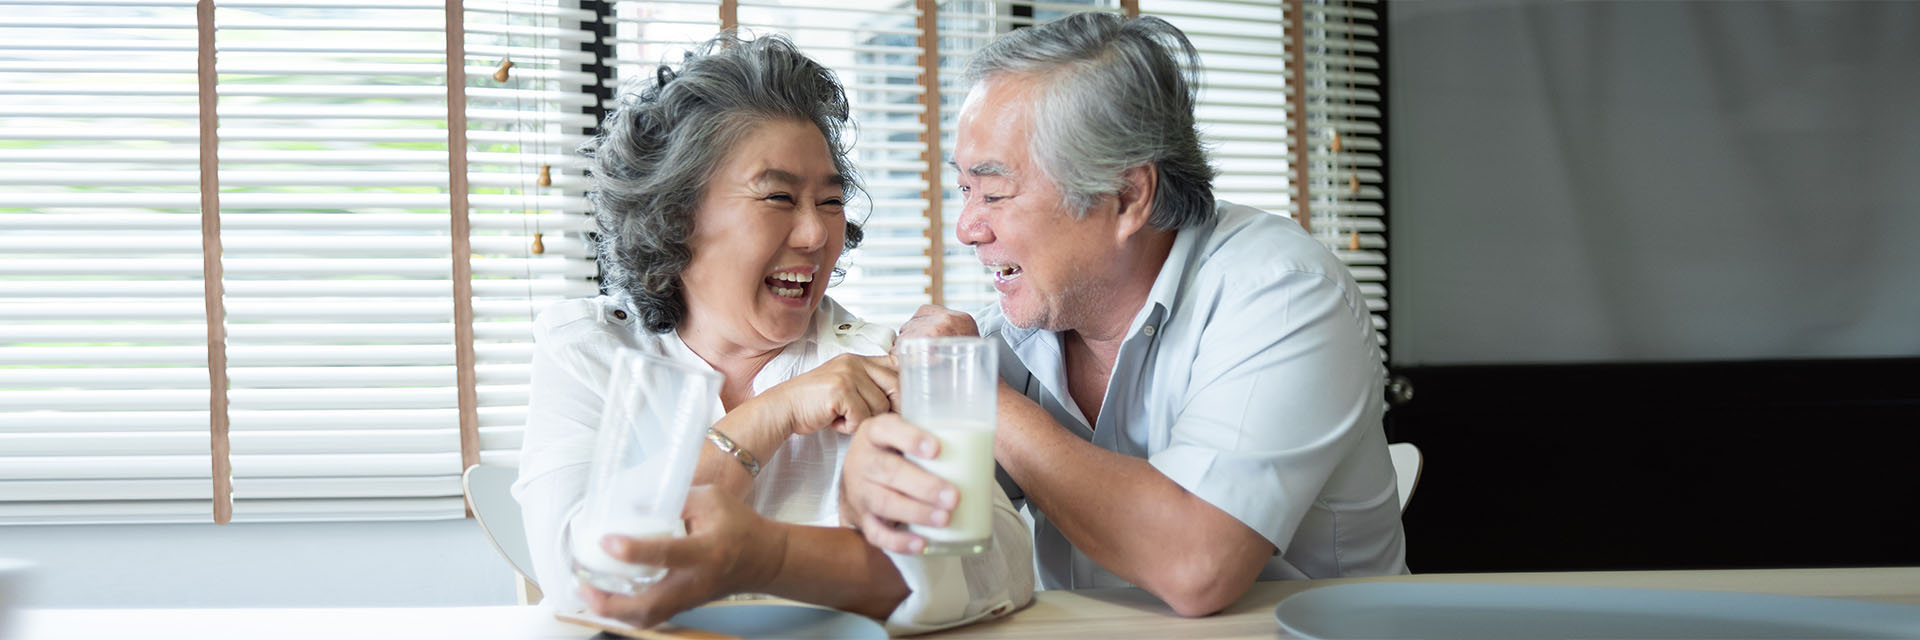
(653, 157)
(1119, 93)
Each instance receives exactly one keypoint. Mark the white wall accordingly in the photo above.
(1653, 181)
(344, 564)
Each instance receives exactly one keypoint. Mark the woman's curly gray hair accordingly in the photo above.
(653, 157)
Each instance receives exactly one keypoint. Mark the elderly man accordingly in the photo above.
(1191, 393)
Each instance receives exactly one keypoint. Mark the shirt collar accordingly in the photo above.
(1160, 299)
(1044, 358)
(1172, 277)
(783, 366)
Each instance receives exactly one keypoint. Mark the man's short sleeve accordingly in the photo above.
(1279, 390)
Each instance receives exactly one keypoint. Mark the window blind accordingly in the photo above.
(1246, 117)
(334, 174)
(1343, 118)
(340, 337)
(103, 333)
(528, 185)
(339, 264)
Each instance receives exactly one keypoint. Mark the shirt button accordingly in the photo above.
(620, 313)
(1149, 331)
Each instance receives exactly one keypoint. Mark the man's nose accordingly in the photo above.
(972, 228)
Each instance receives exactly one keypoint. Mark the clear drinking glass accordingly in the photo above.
(655, 416)
(947, 388)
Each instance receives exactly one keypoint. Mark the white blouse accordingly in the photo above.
(575, 342)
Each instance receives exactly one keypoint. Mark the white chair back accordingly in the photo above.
(1407, 463)
(490, 496)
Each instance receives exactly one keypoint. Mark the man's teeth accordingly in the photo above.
(1007, 270)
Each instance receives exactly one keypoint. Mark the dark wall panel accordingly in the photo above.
(1664, 466)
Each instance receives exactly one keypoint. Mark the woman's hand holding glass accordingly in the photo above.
(728, 549)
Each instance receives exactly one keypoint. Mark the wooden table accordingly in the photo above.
(1132, 613)
(1089, 613)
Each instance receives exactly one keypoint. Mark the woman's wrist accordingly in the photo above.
(754, 429)
(740, 454)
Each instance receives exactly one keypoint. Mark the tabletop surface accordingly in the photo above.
(1096, 613)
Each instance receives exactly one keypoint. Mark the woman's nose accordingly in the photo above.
(810, 231)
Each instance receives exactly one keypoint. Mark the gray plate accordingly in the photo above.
(781, 621)
(1491, 612)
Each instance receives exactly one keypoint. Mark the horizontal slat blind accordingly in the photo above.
(655, 32)
(103, 378)
(516, 137)
(1244, 115)
(1242, 111)
(1343, 122)
(293, 290)
(334, 179)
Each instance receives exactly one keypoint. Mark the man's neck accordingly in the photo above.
(1092, 347)
(1104, 327)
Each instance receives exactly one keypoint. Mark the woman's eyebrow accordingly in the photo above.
(785, 178)
(776, 176)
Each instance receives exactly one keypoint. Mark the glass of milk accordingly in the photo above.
(654, 419)
(947, 388)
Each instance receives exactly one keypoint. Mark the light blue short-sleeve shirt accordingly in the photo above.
(1251, 378)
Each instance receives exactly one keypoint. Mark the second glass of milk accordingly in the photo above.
(947, 387)
(655, 416)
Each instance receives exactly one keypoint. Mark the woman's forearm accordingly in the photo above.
(749, 429)
(835, 567)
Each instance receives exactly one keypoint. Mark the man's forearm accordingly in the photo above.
(1126, 515)
(836, 567)
(1098, 498)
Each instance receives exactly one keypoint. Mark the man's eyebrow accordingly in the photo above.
(984, 169)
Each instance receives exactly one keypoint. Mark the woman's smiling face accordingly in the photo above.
(766, 236)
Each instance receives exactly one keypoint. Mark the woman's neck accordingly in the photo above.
(738, 365)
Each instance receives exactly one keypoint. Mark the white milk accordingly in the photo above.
(966, 460)
(588, 556)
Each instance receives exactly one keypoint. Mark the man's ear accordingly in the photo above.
(1135, 199)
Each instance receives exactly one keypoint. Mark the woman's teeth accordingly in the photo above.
(789, 285)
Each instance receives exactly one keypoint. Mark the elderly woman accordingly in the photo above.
(721, 194)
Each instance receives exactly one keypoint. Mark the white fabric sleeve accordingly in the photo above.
(949, 591)
(563, 414)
